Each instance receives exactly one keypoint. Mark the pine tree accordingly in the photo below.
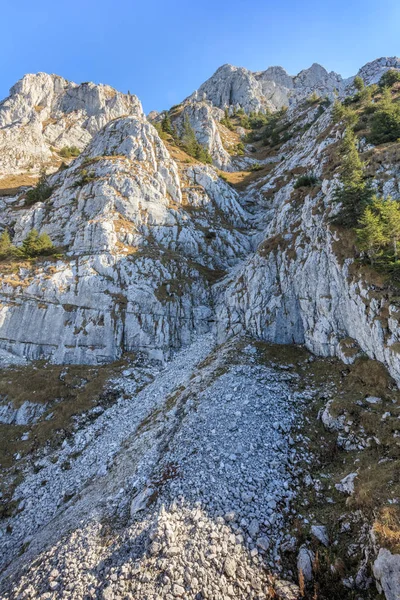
(166, 124)
(385, 125)
(371, 236)
(355, 193)
(338, 111)
(390, 213)
(35, 244)
(41, 192)
(359, 83)
(5, 245)
(189, 137)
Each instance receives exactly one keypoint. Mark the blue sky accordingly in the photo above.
(162, 51)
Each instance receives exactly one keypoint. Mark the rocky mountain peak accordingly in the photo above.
(59, 113)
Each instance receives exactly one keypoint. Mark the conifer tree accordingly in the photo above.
(166, 124)
(35, 244)
(5, 244)
(355, 193)
(389, 211)
(359, 83)
(371, 236)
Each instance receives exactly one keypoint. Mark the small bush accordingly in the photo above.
(238, 150)
(227, 121)
(69, 152)
(86, 177)
(256, 167)
(41, 192)
(307, 180)
(314, 98)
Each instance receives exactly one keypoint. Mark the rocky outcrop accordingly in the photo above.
(203, 118)
(45, 113)
(387, 573)
(274, 88)
(297, 288)
(142, 243)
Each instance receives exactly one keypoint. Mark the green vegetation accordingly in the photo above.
(307, 180)
(166, 125)
(389, 78)
(256, 167)
(191, 145)
(34, 244)
(341, 112)
(41, 192)
(238, 149)
(85, 178)
(359, 83)
(314, 98)
(385, 125)
(6, 247)
(227, 121)
(69, 152)
(379, 232)
(355, 192)
(160, 131)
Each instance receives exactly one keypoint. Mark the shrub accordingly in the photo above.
(226, 120)
(307, 180)
(379, 233)
(36, 245)
(314, 98)
(338, 111)
(389, 78)
(238, 149)
(69, 152)
(256, 167)
(259, 119)
(41, 192)
(86, 177)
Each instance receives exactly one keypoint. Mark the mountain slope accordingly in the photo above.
(201, 462)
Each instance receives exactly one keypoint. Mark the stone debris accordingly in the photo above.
(346, 485)
(203, 489)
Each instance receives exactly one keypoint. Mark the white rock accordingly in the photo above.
(386, 569)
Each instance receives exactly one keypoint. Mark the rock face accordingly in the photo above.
(45, 113)
(203, 117)
(274, 88)
(296, 288)
(387, 572)
(144, 236)
(137, 266)
(271, 89)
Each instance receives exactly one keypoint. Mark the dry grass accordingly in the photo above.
(68, 390)
(387, 528)
(11, 185)
(378, 465)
